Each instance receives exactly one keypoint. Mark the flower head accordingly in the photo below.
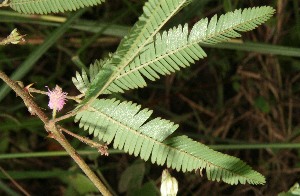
(57, 98)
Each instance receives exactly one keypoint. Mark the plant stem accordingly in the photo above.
(58, 136)
(33, 108)
(51, 127)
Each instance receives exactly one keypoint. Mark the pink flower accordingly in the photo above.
(57, 98)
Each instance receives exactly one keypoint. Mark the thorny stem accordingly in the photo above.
(56, 134)
(33, 108)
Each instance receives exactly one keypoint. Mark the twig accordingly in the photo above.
(101, 148)
(54, 133)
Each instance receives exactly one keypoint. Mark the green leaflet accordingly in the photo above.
(156, 14)
(174, 49)
(50, 6)
(128, 127)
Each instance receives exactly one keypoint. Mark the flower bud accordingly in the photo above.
(169, 184)
(14, 38)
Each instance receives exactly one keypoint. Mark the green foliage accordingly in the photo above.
(48, 6)
(82, 82)
(147, 53)
(79, 185)
(129, 129)
(156, 14)
(176, 48)
(132, 178)
(108, 118)
(148, 189)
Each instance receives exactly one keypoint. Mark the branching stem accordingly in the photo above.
(54, 132)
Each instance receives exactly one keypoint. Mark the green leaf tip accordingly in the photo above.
(50, 6)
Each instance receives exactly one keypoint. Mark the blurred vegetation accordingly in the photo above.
(243, 99)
